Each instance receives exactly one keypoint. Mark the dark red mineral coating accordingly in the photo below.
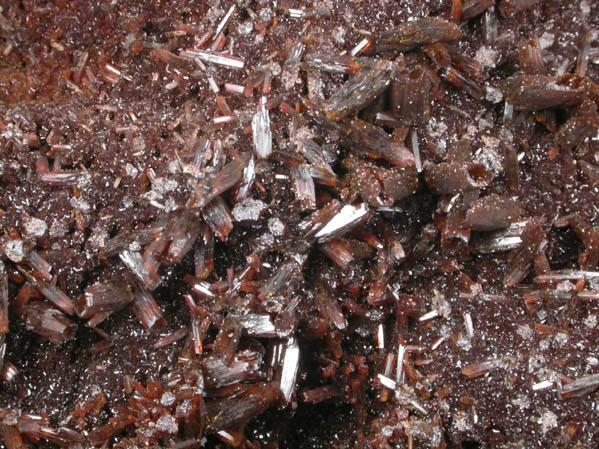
(299, 224)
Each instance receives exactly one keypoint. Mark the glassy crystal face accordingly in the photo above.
(299, 224)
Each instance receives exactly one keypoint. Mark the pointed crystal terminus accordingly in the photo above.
(290, 366)
(261, 131)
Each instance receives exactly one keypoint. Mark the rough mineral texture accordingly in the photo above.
(299, 224)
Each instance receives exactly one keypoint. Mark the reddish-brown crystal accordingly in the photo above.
(536, 92)
(3, 299)
(418, 32)
(248, 178)
(492, 212)
(360, 91)
(48, 322)
(451, 178)
(102, 298)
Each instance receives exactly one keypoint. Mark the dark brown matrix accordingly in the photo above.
(299, 224)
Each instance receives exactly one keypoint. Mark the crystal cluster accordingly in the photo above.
(299, 224)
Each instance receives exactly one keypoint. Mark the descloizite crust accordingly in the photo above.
(299, 224)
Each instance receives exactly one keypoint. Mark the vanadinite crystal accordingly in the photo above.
(299, 224)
